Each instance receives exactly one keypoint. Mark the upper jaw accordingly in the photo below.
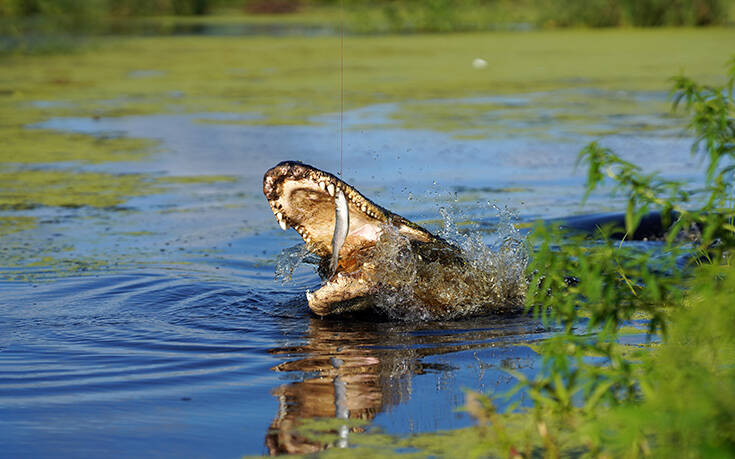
(302, 197)
(295, 190)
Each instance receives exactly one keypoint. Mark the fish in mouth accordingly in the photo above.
(349, 232)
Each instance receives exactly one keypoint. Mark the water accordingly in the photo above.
(158, 329)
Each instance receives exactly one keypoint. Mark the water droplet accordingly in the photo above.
(288, 260)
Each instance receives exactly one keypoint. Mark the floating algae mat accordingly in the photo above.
(139, 307)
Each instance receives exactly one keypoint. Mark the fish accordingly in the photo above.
(341, 229)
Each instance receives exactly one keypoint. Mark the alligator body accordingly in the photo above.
(384, 261)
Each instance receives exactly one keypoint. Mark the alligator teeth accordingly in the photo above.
(363, 208)
(322, 185)
(281, 221)
(330, 189)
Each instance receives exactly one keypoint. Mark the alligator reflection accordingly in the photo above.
(354, 370)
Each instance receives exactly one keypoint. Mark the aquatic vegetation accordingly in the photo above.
(142, 302)
(622, 403)
(567, 113)
(13, 224)
(29, 188)
(293, 79)
(594, 396)
(34, 146)
(191, 179)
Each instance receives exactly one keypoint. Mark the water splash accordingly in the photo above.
(469, 279)
(438, 281)
(290, 258)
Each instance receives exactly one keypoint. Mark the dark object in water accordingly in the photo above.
(653, 225)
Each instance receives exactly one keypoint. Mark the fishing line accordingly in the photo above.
(341, 79)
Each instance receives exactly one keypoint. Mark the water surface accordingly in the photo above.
(156, 328)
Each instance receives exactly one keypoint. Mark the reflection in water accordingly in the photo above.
(355, 370)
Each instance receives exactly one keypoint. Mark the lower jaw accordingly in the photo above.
(351, 306)
(343, 294)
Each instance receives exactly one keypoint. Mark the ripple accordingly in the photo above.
(145, 334)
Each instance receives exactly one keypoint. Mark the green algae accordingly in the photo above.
(469, 136)
(572, 110)
(477, 441)
(38, 146)
(14, 224)
(21, 268)
(30, 188)
(191, 179)
(291, 80)
(138, 233)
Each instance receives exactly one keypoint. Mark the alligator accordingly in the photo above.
(374, 259)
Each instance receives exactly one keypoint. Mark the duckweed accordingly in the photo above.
(30, 188)
(290, 80)
(12, 224)
(35, 146)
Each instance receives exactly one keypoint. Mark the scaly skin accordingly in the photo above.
(302, 197)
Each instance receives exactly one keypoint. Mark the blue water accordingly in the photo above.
(157, 329)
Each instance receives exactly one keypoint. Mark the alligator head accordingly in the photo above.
(304, 198)
(310, 201)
